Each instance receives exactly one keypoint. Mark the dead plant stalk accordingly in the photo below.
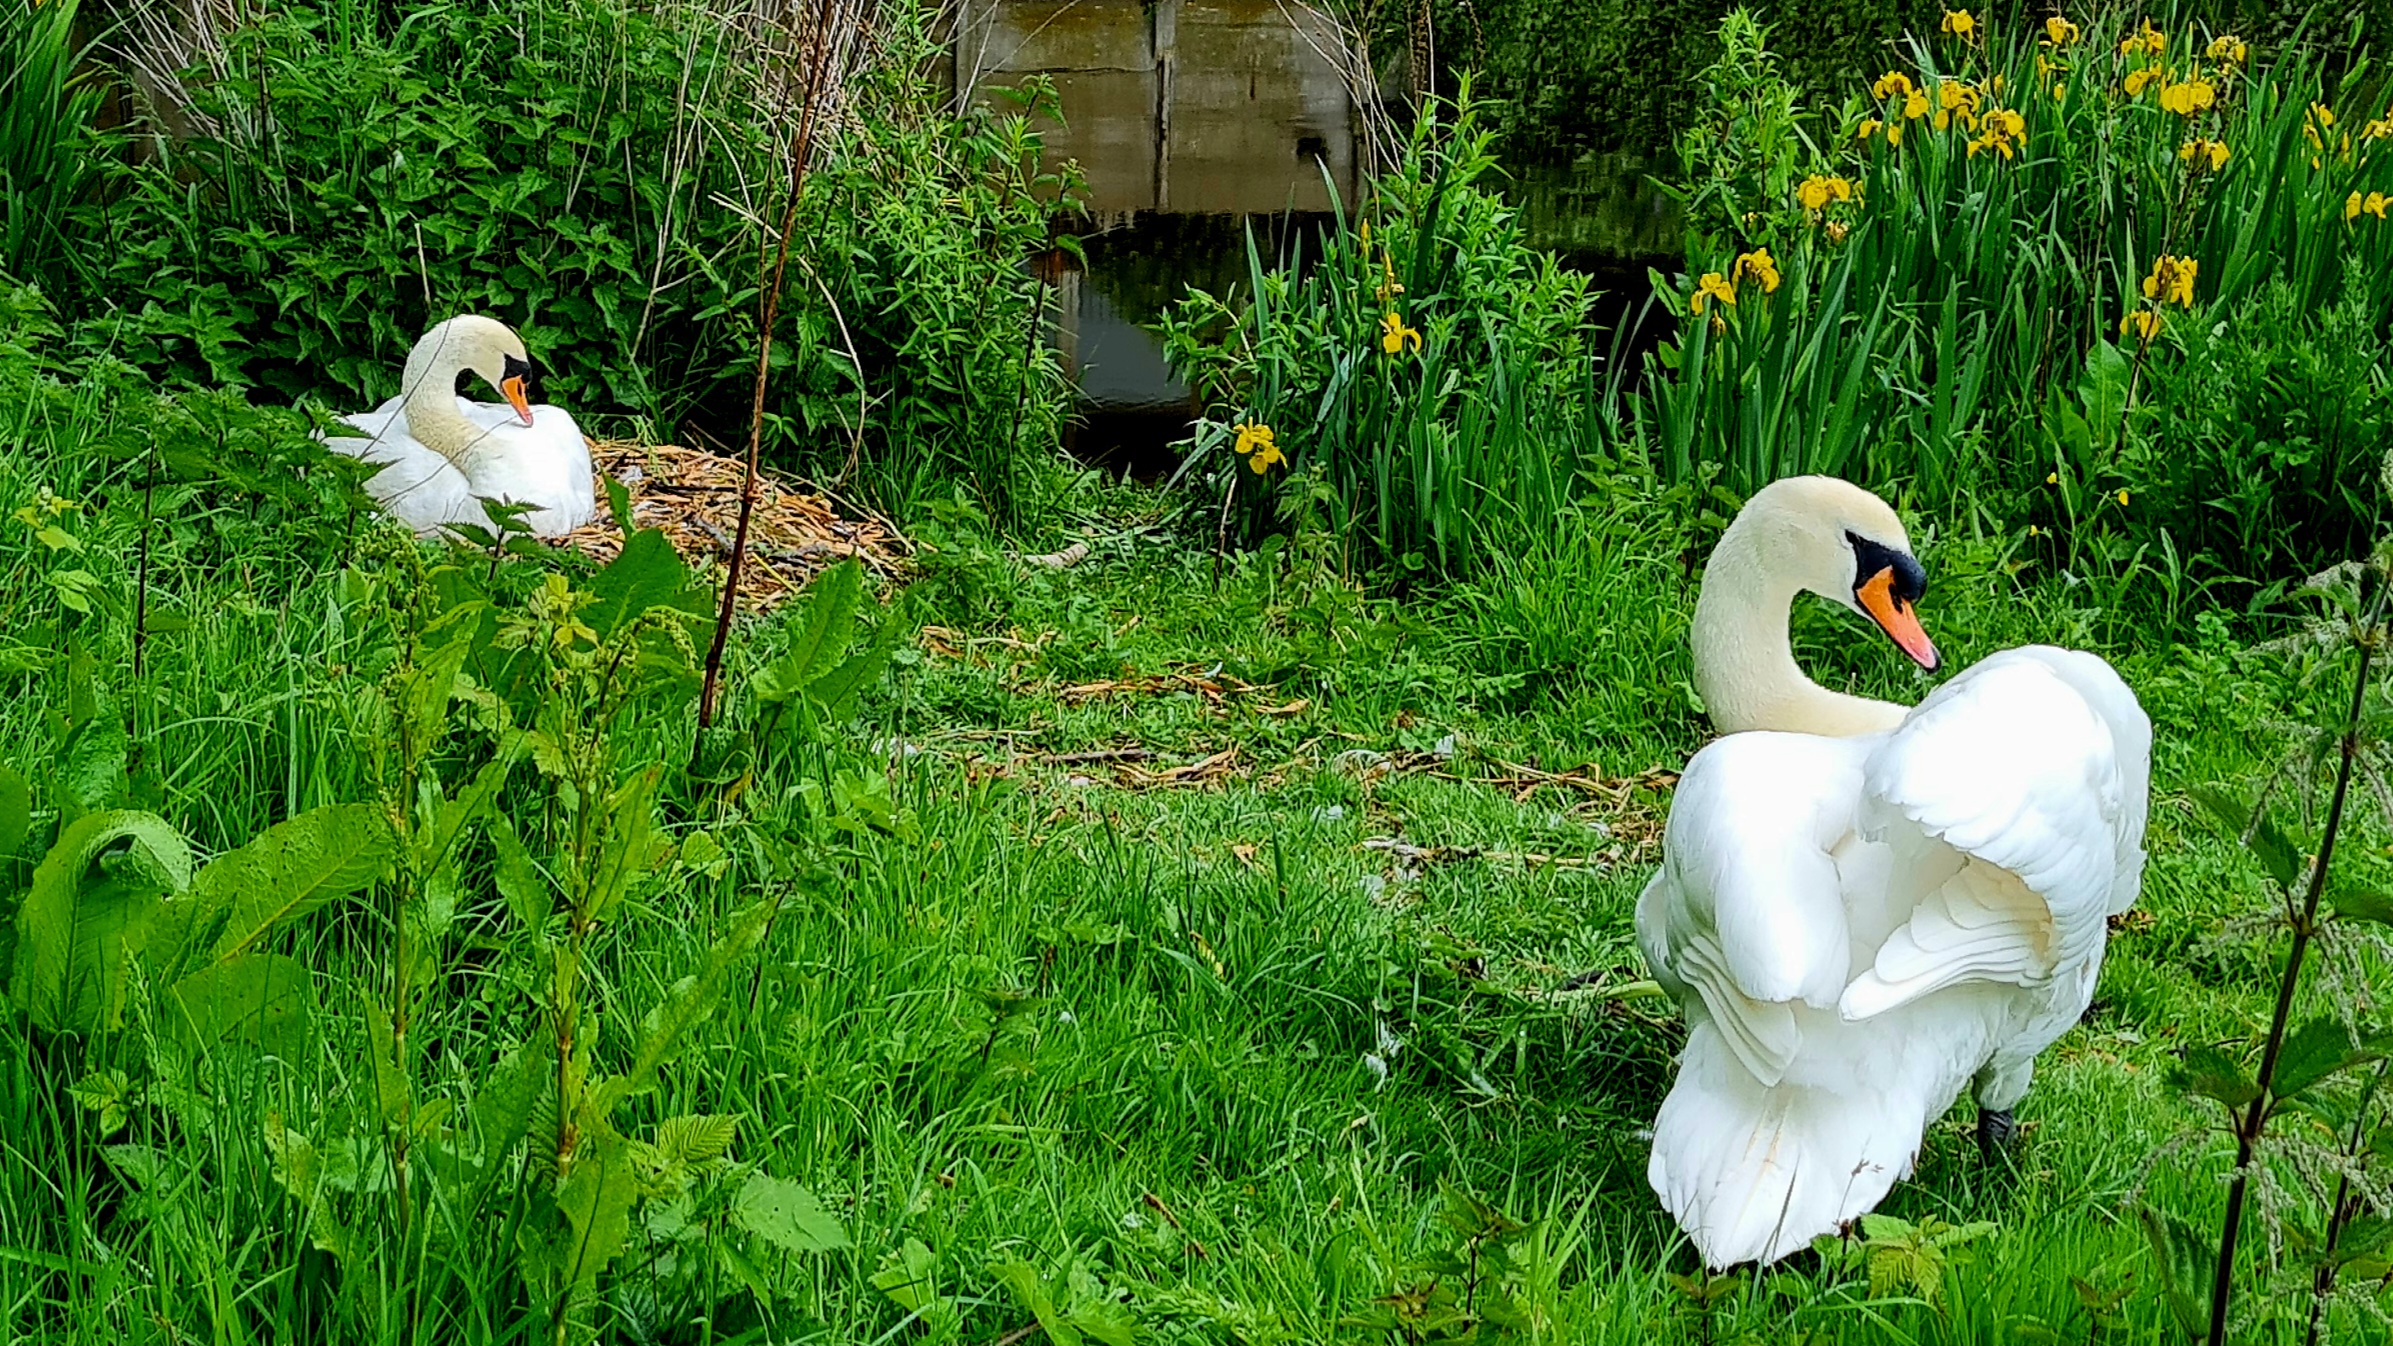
(769, 305)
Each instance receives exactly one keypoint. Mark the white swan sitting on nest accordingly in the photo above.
(443, 455)
(1863, 907)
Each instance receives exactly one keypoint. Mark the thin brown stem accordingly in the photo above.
(2339, 1214)
(2255, 1119)
(770, 302)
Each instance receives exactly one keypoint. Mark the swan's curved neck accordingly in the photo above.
(1745, 666)
(429, 386)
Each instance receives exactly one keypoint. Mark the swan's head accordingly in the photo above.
(482, 345)
(1846, 545)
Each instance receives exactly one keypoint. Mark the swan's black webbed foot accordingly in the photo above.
(1997, 1131)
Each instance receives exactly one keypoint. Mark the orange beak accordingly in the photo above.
(1895, 617)
(513, 388)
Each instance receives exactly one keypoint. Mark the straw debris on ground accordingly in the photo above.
(694, 497)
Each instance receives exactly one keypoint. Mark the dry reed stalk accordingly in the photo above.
(831, 45)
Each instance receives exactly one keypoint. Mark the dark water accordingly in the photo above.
(1191, 120)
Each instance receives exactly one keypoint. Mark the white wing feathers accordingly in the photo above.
(2016, 768)
(2010, 804)
(1747, 910)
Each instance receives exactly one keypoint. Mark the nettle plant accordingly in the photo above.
(2303, 1102)
(517, 818)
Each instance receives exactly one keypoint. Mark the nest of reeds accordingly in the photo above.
(693, 497)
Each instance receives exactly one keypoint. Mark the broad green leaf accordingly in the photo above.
(2268, 842)
(16, 811)
(260, 998)
(2277, 852)
(1107, 1320)
(1885, 1228)
(519, 880)
(648, 574)
(392, 1089)
(2232, 810)
(143, 1166)
(821, 632)
(2363, 904)
(684, 1007)
(837, 689)
(2362, 1236)
(441, 653)
(2316, 1051)
(2209, 1072)
(2182, 1255)
(87, 913)
(595, 1197)
(109, 1095)
(2103, 387)
(91, 767)
(787, 1216)
(619, 506)
(446, 818)
(631, 845)
(909, 1275)
(509, 1096)
(1030, 1292)
(292, 868)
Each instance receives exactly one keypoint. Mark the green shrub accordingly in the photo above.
(587, 170)
(45, 122)
(1439, 377)
(2265, 435)
(1570, 76)
(1967, 278)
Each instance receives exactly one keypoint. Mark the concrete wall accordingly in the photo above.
(1177, 105)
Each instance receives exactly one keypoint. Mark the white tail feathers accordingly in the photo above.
(1754, 1173)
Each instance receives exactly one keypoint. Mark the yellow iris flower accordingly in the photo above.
(2229, 48)
(2195, 152)
(2188, 98)
(2375, 203)
(2059, 32)
(2142, 322)
(1258, 447)
(2172, 280)
(1816, 191)
(1960, 23)
(2003, 129)
(1759, 265)
(1712, 286)
(1394, 335)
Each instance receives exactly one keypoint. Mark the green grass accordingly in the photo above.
(1119, 1030)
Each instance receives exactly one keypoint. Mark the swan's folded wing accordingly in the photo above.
(1747, 912)
(2033, 768)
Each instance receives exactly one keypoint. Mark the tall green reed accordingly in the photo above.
(45, 130)
(1443, 380)
(1965, 249)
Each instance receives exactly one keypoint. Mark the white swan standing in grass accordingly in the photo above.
(1862, 907)
(444, 455)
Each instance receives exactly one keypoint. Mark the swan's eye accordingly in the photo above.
(1871, 559)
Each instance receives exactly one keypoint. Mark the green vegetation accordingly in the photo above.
(1612, 76)
(1185, 944)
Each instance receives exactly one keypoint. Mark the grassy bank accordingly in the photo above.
(1223, 935)
(1208, 950)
